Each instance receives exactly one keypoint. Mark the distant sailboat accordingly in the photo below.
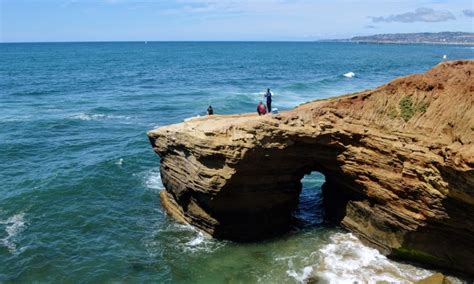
(445, 57)
(146, 42)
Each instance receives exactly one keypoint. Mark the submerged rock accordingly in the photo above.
(398, 162)
(437, 278)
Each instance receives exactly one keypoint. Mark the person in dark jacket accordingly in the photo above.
(269, 95)
(261, 109)
(210, 110)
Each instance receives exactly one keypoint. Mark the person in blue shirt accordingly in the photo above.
(210, 110)
(269, 95)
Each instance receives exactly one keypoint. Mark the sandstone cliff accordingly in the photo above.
(398, 162)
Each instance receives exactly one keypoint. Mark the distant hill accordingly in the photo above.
(407, 38)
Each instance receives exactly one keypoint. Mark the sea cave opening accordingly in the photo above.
(310, 211)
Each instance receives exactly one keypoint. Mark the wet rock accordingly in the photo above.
(437, 278)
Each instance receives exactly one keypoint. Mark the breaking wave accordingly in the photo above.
(299, 275)
(98, 116)
(153, 180)
(346, 260)
(14, 226)
(192, 241)
(349, 74)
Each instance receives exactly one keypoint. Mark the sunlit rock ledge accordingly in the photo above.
(398, 163)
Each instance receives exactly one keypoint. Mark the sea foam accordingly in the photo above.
(300, 276)
(153, 180)
(349, 74)
(98, 116)
(199, 239)
(191, 240)
(14, 226)
(196, 241)
(346, 260)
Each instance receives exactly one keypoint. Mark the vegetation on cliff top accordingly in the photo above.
(408, 109)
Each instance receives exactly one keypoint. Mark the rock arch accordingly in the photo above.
(403, 181)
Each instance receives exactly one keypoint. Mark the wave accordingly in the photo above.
(191, 240)
(346, 260)
(198, 242)
(301, 276)
(33, 92)
(349, 74)
(285, 97)
(15, 225)
(98, 116)
(302, 86)
(18, 118)
(153, 180)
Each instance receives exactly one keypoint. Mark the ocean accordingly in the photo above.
(79, 181)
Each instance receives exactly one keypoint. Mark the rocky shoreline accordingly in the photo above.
(398, 163)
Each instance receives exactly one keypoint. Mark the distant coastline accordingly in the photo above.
(446, 38)
(440, 38)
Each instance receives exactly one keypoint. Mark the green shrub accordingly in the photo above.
(407, 110)
(423, 107)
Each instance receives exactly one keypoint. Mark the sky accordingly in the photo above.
(225, 20)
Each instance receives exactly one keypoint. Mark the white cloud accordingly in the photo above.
(419, 15)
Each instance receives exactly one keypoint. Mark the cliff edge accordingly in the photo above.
(398, 162)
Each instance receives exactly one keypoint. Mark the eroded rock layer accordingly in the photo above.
(398, 162)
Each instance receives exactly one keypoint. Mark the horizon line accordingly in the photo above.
(335, 41)
(149, 41)
(255, 40)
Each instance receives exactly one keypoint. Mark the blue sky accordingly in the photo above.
(115, 20)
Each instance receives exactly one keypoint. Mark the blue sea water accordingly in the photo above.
(79, 181)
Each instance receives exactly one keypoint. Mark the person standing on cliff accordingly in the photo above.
(210, 110)
(261, 108)
(269, 95)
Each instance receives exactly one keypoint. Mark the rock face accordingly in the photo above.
(398, 162)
